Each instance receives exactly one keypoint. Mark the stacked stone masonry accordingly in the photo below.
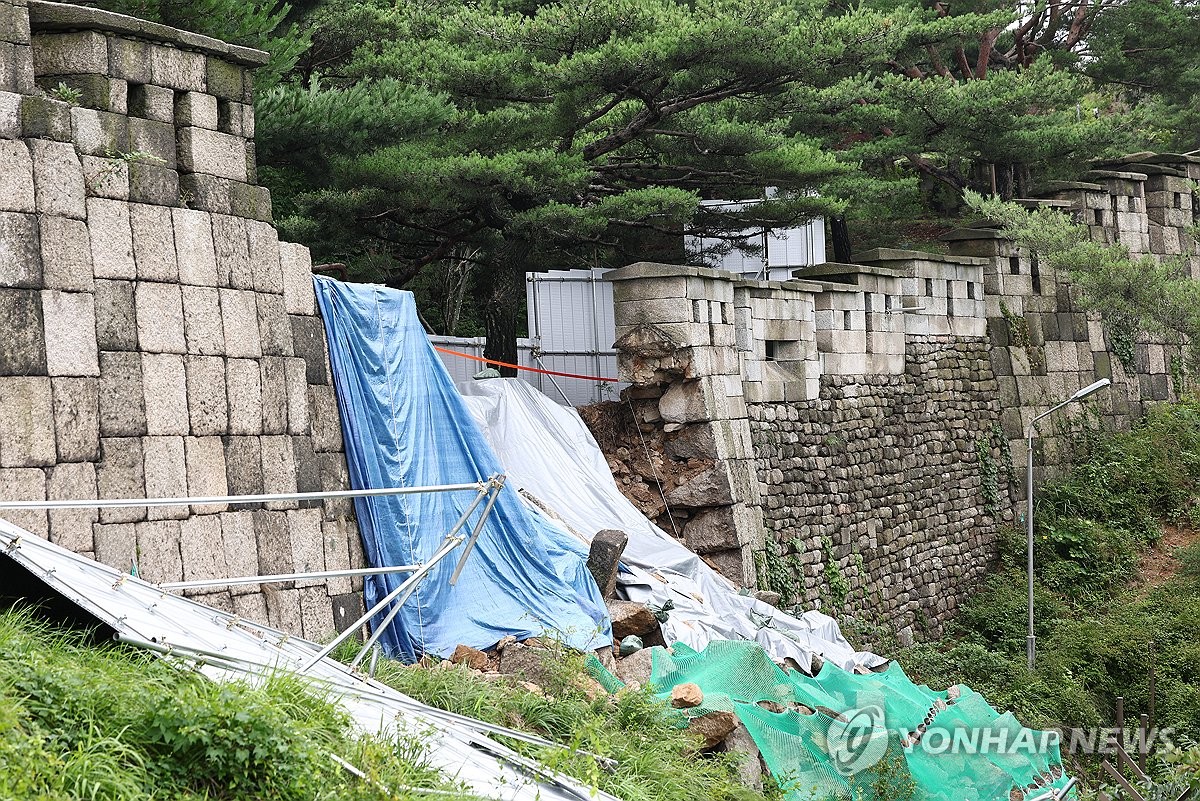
(847, 438)
(160, 340)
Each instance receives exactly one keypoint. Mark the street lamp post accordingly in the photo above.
(1031, 639)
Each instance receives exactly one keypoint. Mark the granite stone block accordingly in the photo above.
(111, 238)
(159, 314)
(279, 469)
(178, 69)
(16, 179)
(241, 548)
(166, 475)
(274, 325)
(297, 394)
(72, 528)
(121, 402)
(116, 545)
(25, 484)
(150, 102)
(69, 319)
(203, 548)
(274, 395)
(208, 405)
(58, 179)
(206, 472)
(105, 177)
(45, 118)
(308, 340)
(233, 252)
(70, 53)
(243, 466)
(196, 109)
(20, 251)
(23, 347)
(202, 324)
(296, 265)
(76, 419)
(158, 543)
(121, 474)
(153, 184)
(239, 313)
(116, 319)
(153, 243)
(244, 387)
(27, 424)
(212, 153)
(264, 257)
(129, 59)
(194, 247)
(100, 133)
(326, 421)
(164, 386)
(66, 252)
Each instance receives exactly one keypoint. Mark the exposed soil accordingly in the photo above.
(1162, 561)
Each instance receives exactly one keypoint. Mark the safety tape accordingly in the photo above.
(522, 367)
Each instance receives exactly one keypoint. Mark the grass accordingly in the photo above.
(101, 722)
(1101, 633)
(655, 760)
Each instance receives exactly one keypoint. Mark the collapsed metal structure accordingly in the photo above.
(224, 647)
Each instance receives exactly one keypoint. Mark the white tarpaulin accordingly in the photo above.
(547, 450)
(230, 648)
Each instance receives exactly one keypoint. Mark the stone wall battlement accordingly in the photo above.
(864, 418)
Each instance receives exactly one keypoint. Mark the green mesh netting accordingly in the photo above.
(873, 737)
(595, 668)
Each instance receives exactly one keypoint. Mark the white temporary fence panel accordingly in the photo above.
(776, 253)
(574, 391)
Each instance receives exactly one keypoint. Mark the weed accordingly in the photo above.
(65, 93)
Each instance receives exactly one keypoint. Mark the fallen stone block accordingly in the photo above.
(630, 618)
(750, 766)
(636, 668)
(604, 558)
(472, 658)
(686, 696)
(713, 728)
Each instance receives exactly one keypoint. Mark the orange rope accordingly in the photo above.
(520, 367)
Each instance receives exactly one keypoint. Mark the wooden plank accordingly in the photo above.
(1128, 762)
(1119, 779)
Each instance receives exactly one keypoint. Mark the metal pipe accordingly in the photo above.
(413, 580)
(117, 503)
(595, 332)
(499, 485)
(538, 359)
(1031, 638)
(1080, 394)
(374, 610)
(274, 577)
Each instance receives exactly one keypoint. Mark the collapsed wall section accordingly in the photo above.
(159, 339)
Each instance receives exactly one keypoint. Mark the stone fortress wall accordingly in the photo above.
(842, 439)
(159, 339)
(848, 438)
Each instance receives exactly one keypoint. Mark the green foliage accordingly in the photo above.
(655, 759)
(1097, 635)
(65, 93)
(80, 721)
(1143, 47)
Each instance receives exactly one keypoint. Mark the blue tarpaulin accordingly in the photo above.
(405, 425)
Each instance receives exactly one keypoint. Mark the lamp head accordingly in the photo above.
(1090, 388)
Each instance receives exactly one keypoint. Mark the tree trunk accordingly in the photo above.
(841, 239)
(501, 291)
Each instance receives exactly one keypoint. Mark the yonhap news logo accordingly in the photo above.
(857, 739)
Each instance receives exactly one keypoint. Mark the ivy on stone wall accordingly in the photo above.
(995, 460)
